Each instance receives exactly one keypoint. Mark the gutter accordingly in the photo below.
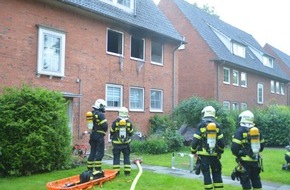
(173, 73)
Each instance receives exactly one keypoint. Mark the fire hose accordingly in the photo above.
(138, 163)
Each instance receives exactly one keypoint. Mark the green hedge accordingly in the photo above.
(274, 123)
(34, 135)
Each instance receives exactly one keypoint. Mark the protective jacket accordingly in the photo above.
(241, 145)
(100, 124)
(199, 142)
(121, 134)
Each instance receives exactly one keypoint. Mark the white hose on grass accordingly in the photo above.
(137, 162)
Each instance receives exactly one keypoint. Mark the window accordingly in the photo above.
(226, 105)
(235, 77)
(239, 50)
(114, 42)
(272, 86)
(282, 88)
(51, 52)
(137, 48)
(235, 106)
(136, 99)
(244, 80)
(244, 106)
(123, 4)
(114, 96)
(277, 87)
(268, 61)
(226, 75)
(157, 53)
(260, 93)
(156, 100)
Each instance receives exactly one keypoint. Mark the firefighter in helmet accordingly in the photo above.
(208, 145)
(246, 145)
(98, 129)
(120, 133)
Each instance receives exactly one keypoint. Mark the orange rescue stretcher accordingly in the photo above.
(65, 184)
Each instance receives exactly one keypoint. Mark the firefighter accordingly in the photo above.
(208, 145)
(246, 145)
(120, 134)
(97, 136)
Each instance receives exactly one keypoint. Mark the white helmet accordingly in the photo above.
(100, 104)
(247, 118)
(208, 111)
(123, 113)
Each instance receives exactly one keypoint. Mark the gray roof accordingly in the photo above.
(283, 56)
(202, 22)
(147, 16)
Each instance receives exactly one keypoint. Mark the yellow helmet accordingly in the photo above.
(208, 111)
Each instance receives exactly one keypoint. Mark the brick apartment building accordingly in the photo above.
(284, 61)
(120, 51)
(222, 62)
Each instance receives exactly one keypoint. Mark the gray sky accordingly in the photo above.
(266, 20)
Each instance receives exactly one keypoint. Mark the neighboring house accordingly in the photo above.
(122, 51)
(222, 62)
(284, 60)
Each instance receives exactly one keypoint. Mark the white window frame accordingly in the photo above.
(277, 87)
(282, 88)
(268, 61)
(143, 48)
(272, 86)
(244, 79)
(236, 77)
(260, 93)
(154, 100)
(239, 50)
(227, 105)
(118, 99)
(228, 78)
(118, 53)
(235, 106)
(153, 48)
(133, 97)
(46, 52)
(116, 3)
(244, 106)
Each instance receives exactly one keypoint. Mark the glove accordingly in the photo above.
(241, 153)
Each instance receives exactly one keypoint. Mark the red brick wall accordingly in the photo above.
(232, 93)
(85, 58)
(197, 74)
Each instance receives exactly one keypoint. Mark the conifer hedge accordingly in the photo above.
(34, 134)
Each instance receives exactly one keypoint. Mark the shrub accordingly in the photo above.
(155, 144)
(34, 136)
(165, 127)
(189, 112)
(274, 123)
(137, 146)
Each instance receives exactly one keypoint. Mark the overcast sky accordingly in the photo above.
(266, 20)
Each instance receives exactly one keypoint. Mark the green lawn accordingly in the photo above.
(273, 160)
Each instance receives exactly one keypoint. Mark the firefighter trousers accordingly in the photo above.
(211, 169)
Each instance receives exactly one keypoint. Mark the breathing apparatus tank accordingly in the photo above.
(211, 136)
(89, 116)
(255, 141)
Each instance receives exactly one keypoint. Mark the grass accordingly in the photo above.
(273, 160)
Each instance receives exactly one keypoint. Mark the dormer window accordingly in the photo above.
(238, 49)
(127, 5)
(268, 61)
